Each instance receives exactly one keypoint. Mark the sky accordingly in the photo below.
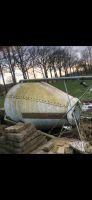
(79, 48)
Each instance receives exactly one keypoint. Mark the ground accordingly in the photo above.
(73, 86)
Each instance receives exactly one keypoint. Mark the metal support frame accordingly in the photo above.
(57, 79)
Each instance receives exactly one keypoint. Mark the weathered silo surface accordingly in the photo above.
(41, 104)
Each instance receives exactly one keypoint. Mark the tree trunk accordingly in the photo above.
(27, 74)
(73, 70)
(77, 70)
(81, 72)
(22, 64)
(11, 66)
(51, 72)
(34, 72)
(85, 67)
(42, 72)
(70, 71)
(3, 79)
(45, 71)
(66, 72)
(55, 71)
(12, 74)
(23, 72)
(60, 74)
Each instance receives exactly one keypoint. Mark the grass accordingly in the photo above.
(74, 88)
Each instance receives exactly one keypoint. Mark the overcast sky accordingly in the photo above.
(79, 48)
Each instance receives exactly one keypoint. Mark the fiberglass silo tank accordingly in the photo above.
(41, 104)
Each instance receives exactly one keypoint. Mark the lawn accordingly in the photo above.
(74, 88)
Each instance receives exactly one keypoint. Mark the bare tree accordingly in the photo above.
(43, 58)
(50, 65)
(33, 59)
(1, 71)
(84, 60)
(9, 60)
(89, 48)
(61, 59)
(71, 58)
(65, 60)
(52, 61)
(22, 57)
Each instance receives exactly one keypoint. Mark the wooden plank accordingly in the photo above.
(19, 137)
(47, 135)
(68, 150)
(35, 146)
(60, 150)
(35, 141)
(17, 128)
(40, 151)
(27, 148)
(47, 147)
(24, 142)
